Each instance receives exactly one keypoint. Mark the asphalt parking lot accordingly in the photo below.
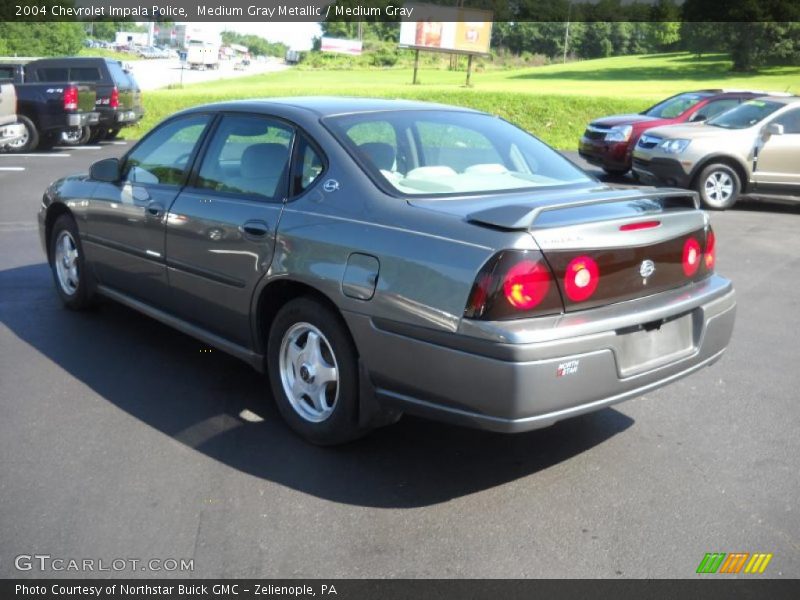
(121, 438)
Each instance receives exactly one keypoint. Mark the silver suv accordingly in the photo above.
(753, 148)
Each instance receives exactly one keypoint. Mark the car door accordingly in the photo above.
(221, 228)
(778, 167)
(126, 222)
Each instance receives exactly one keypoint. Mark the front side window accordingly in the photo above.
(745, 115)
(675, 106)
(163, 156)
(249, 155)
(790, 121)
(438, 152)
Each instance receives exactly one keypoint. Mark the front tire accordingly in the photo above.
(68, 265)
(719, 186)
(313, 371)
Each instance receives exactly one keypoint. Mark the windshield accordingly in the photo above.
(440, 152)
(675, 106)
(745, 115)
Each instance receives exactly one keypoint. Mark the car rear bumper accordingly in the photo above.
(115, 118)
(82, 119)
(531, 376)
(11, 133)
(610, 155)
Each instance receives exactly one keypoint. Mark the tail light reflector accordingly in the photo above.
(711, 250)
(513, 284)
(114, 101)
(581, 278)
(692, 254)
(71, 98)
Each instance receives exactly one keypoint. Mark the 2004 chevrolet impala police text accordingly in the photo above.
(377, 257)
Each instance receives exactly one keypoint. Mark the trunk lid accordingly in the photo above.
(631, 243)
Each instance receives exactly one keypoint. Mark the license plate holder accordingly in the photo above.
(654, 345)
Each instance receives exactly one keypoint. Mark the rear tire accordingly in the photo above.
(68, 266)
(97, 134)
(112, 133)
(77, 136)
(719, 186)
(313, 371)
(30, 141)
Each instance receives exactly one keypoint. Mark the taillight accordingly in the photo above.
(70, 98)
(691, 256)
(711, 250)
(114, 101)
(513, 284)
(581, 278)
(639, 225)
(526, 284)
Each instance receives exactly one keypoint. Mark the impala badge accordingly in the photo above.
(646, 269)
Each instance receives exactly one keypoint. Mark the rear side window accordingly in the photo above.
(53, 74)
(712, 109)
(84, 74)
(308, 166)
(163, 156)
(6, 73)
(119, 75)
(249, 155)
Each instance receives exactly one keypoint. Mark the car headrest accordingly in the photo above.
(379, 153)
(264, 160)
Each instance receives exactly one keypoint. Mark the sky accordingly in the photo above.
(295, 35)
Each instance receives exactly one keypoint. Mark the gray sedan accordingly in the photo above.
(377, 257)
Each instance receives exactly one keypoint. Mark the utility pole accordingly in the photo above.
(566, 32)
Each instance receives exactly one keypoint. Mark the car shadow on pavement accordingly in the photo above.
(222, 408)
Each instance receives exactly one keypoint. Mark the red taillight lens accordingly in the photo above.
(114, 101)
(526, 284)
(71, 98)
(711, 250)
(513, 284)
(581, 278)
(691, 257)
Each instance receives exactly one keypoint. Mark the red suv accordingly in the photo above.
(608, 142)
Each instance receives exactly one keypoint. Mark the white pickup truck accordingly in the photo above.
(10, 129)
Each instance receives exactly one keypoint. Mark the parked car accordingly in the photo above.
(342, 244)
(754, 148)
(46, 110)
(10, 129)
(119, 99)
(609, 142)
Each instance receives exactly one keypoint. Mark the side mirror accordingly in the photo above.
(106, 170)
(775, 129)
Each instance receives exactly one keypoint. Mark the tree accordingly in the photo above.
(42, 39)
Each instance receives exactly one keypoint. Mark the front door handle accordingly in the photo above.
(255, 228)
(155, 209)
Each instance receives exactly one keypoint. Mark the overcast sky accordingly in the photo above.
(295, 35)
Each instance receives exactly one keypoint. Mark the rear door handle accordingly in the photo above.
(156, 209)
(255, 228)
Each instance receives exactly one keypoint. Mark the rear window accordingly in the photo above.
(439, 152)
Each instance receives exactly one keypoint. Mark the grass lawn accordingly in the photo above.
(554, 102)
(106, 53)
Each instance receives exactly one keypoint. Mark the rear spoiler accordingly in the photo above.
(520, 217)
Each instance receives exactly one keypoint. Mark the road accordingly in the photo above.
(162, 72)
(121, 438)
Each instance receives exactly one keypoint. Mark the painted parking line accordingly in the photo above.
(78, 147)
(12, 168)
(37, 155)
(118, 143)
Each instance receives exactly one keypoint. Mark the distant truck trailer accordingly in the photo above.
(202, 55)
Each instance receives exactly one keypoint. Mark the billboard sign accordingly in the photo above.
(462, 30)
(352, 47)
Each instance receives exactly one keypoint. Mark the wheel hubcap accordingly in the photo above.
(719, 187)
(19, 143)
(66, 261)
(309, 372)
